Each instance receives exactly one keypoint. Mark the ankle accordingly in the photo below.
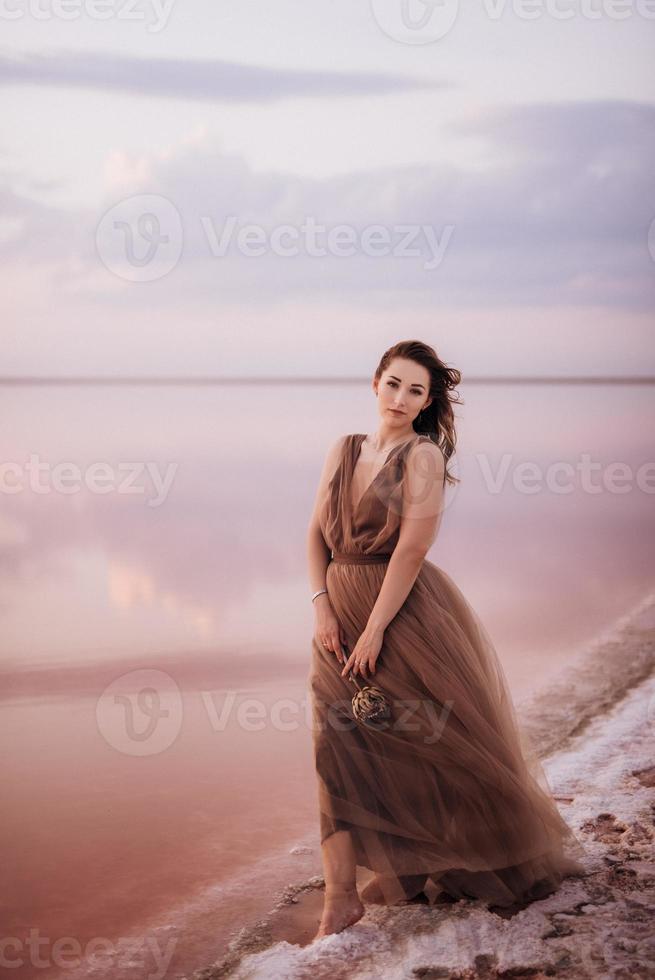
(340, 891)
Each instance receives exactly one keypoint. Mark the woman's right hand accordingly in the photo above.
(328, 634)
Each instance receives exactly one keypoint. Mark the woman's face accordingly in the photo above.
(403, 391)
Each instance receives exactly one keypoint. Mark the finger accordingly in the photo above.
(337, 649)
(348, 665)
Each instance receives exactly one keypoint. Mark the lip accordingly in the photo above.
(396, 412)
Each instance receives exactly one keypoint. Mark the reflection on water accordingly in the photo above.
(103, 841)
(165, 531)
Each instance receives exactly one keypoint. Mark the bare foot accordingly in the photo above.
(340, 910)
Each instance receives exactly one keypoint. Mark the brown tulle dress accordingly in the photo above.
(452, 789)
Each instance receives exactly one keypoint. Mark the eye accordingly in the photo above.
(394, 384)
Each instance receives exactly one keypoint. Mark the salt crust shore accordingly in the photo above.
(593, 730)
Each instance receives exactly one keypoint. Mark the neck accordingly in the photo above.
(386, 437)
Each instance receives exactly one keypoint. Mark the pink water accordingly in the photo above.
(208, 590)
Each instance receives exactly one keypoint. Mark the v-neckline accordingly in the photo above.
(353, 462)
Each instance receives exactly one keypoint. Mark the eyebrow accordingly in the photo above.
(414, 384)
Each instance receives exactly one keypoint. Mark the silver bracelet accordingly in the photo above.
(320, 592)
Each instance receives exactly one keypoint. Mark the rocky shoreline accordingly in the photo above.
(596, 926)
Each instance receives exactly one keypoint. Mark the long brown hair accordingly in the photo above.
(437, 420)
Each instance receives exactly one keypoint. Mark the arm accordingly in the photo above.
(318, 553)
(327, 630)
(422, 509)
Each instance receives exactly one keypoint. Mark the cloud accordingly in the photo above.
(195, 78)
(562, 221)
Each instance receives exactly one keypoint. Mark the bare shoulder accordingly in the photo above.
(336, 447)
(425, 446)
(426, 454)
(341, 441)
(330, 466)
(334, 454)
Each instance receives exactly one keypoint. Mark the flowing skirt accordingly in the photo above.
(452, 788)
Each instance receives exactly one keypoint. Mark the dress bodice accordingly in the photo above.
(373, 525)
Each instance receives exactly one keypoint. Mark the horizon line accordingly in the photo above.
(172, 380)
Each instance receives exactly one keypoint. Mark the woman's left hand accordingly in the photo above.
(364, 654)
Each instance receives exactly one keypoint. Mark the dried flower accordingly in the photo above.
(370, 706)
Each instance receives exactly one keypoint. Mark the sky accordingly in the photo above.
(289, 188)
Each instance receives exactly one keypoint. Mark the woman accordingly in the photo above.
(449, 787)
